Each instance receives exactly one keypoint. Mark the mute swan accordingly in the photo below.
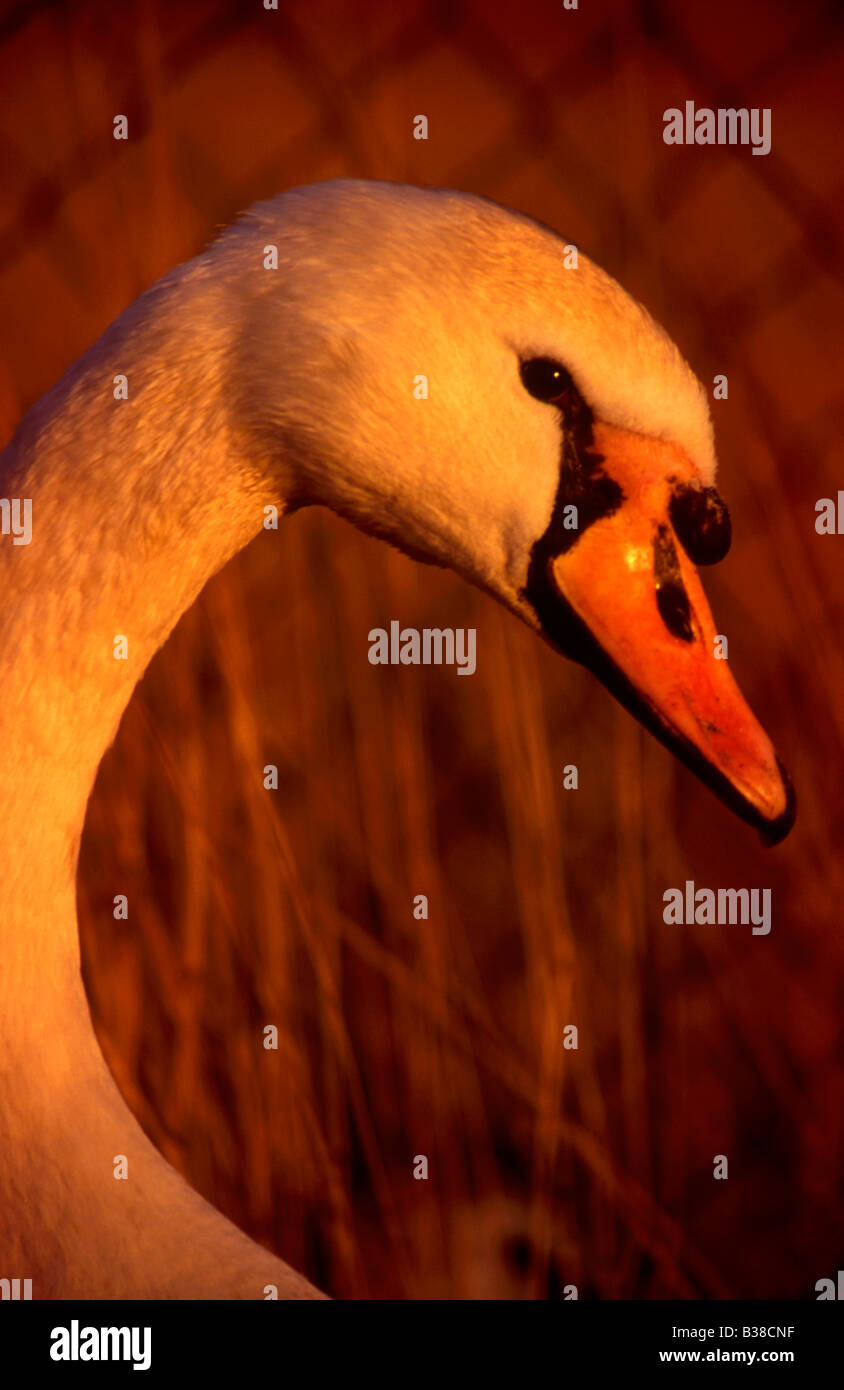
(549, 388)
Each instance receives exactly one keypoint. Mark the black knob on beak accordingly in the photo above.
(701, 521)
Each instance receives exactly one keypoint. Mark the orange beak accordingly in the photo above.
(635, 613)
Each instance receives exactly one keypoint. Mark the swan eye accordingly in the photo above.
(548, 380)
(701, 522)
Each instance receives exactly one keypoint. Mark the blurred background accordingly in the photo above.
(444, 1037)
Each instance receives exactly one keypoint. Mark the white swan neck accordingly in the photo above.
(135, 503)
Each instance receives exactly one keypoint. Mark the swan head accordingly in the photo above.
(445, 373)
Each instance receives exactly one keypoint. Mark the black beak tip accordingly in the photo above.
(774, 832)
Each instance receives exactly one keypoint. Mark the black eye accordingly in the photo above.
(701, 521)
(548, 380)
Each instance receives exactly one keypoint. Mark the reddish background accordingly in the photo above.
(443, 1037)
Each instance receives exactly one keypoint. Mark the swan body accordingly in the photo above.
(250, 386)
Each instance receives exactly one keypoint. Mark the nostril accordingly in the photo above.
(701, 521)
(671, 597)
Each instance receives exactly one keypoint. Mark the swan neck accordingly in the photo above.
(133, 476)
(137, 495)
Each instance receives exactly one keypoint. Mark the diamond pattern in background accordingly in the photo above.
(559, 113)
